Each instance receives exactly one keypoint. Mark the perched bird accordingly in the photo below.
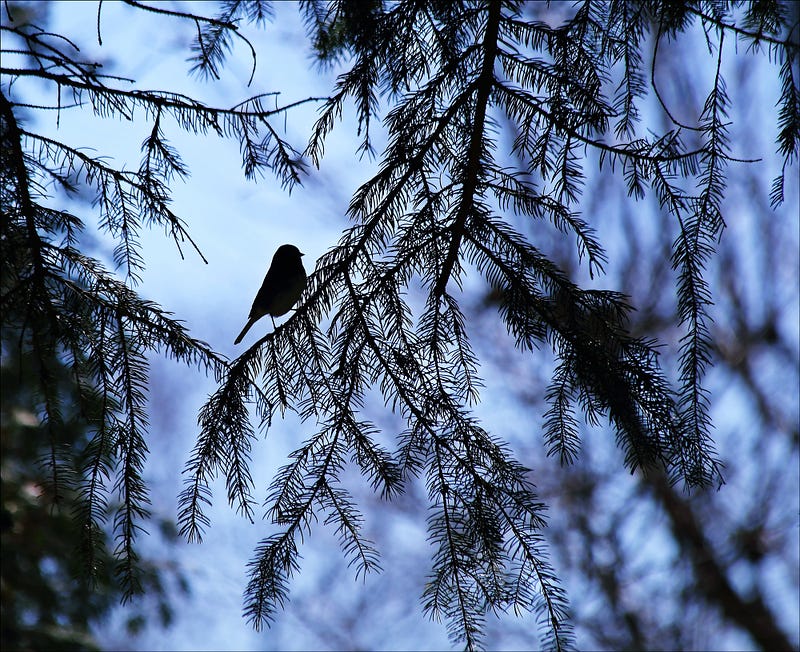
(282, 287)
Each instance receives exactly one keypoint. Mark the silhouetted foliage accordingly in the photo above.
(442, 77)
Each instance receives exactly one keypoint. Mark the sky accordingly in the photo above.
(237, 224)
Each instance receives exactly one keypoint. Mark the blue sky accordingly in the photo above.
(238, 224)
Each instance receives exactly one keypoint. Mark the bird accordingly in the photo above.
(282, 287)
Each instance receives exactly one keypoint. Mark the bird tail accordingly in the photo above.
(246, 328)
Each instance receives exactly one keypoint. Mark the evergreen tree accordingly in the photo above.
(443, 77)
(47, 604)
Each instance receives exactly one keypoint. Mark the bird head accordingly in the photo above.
(287, 252)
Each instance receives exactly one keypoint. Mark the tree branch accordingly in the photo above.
(751, 615)
(485, 83)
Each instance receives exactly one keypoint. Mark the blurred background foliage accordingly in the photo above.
(645, 565)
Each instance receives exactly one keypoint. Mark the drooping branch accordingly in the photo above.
(472, 172)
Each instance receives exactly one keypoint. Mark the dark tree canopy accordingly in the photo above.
(447, 81)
